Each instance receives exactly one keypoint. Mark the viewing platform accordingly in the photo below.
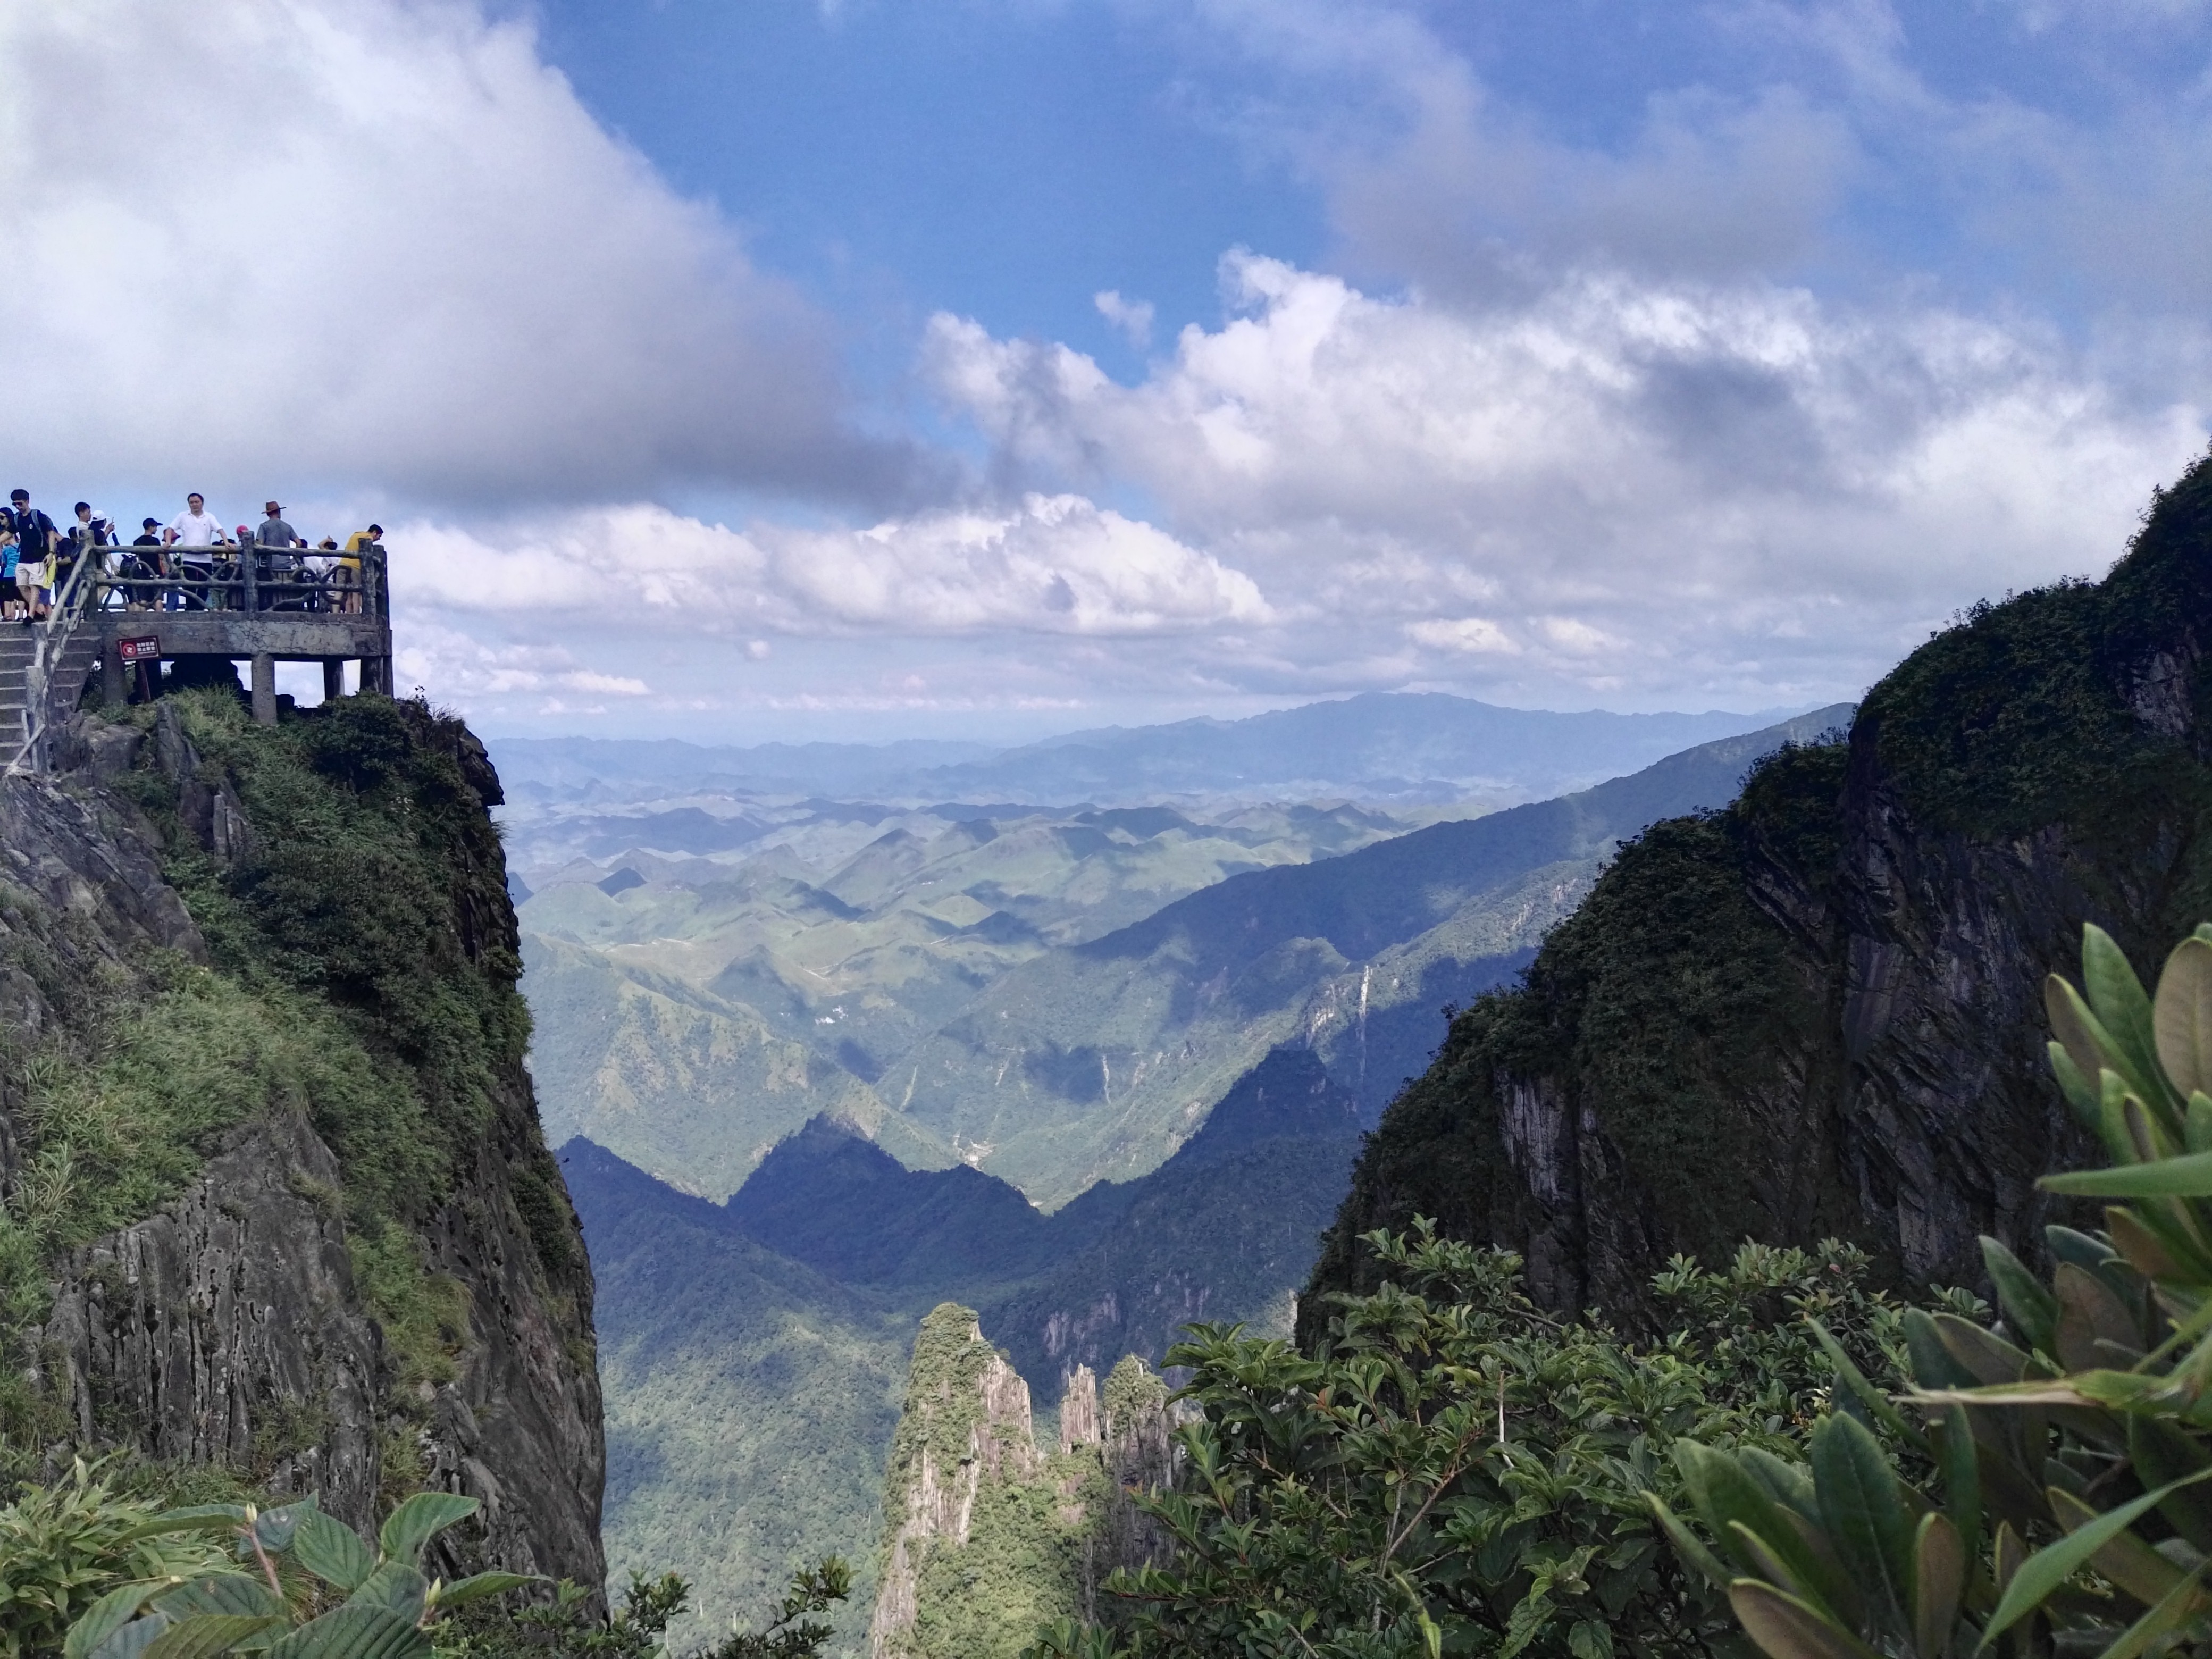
(260, 606)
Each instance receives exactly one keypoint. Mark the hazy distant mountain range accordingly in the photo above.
(1057, 998)
(1166, 1027)
(1407, 747)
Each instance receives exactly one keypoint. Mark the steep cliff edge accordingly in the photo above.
(276, 1200)
(1818, 1011)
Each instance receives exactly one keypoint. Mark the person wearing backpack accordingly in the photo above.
(35, 536)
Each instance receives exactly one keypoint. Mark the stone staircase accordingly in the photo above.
(71, 654)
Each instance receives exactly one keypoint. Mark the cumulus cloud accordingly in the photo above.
(378, 245)
(1052, 564)
(1616, 486)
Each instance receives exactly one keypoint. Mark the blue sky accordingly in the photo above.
(772, 368)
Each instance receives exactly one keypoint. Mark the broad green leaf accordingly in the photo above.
(2181, 1017)
(419, 1520)
(1864, 1514)
(2083, 1251)
(233, 1593)
(1724, 1493)
(2140, 1245)
(1932, 1364)
(2163, 1454)
(203, 1635)
(333, 1552)
(2189, 1176)
(134, 1639)
(1962, 1481)
(1787, 1484)
(355, 1633)
(275, 1528)
(1687, 1545)
(2094, 1327)
(1939, 1581)
(1771, 1567)
(108, 1615)
(2197, 1128)
(1872, 1397)
(1987, 1357)
(2183, 1602)
(2080, 1093)
(1589, 1639)
(197, 1517)
(2031, 1309)
(2117, 997)
(395, 1586)
(2125, 1560)
(1788, 1628)
(2053, 1565)
(2078, 1034)
(482, 1584)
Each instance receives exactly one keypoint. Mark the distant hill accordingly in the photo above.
(1094, 1062)
(1380, 745)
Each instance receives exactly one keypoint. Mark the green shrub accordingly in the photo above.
(64, 1546)
(1459, 1472)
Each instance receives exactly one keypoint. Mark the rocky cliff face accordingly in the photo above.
(1819, 1011)
(988, 1537)
(359, 1274)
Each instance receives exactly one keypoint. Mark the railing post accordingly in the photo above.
(245, 562)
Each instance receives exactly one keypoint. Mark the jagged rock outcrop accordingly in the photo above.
(231, 1325)
(986, 1536)
(1079, 1410)
(1819, 1011)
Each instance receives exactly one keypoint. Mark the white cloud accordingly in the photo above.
(378, 245)
(1133, 317)
(1644, 486)
(462, 666)
(1054, 564)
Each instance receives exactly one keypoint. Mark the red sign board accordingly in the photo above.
(146, 650)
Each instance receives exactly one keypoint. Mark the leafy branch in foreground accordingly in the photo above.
(288, 1559)
(2072, 1508)
(1462, 1472)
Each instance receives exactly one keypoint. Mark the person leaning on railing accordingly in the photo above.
(347, 575)
(90, 533)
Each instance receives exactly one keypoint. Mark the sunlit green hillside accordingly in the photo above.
(703, 1007)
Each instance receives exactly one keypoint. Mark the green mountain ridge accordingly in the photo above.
(1820, 1012)
(1094, 1062)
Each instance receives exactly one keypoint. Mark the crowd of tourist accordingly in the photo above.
(190, 563)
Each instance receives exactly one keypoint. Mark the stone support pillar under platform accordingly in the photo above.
(333, 678)
(265, 688)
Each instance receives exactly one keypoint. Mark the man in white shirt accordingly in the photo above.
(195, 527)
